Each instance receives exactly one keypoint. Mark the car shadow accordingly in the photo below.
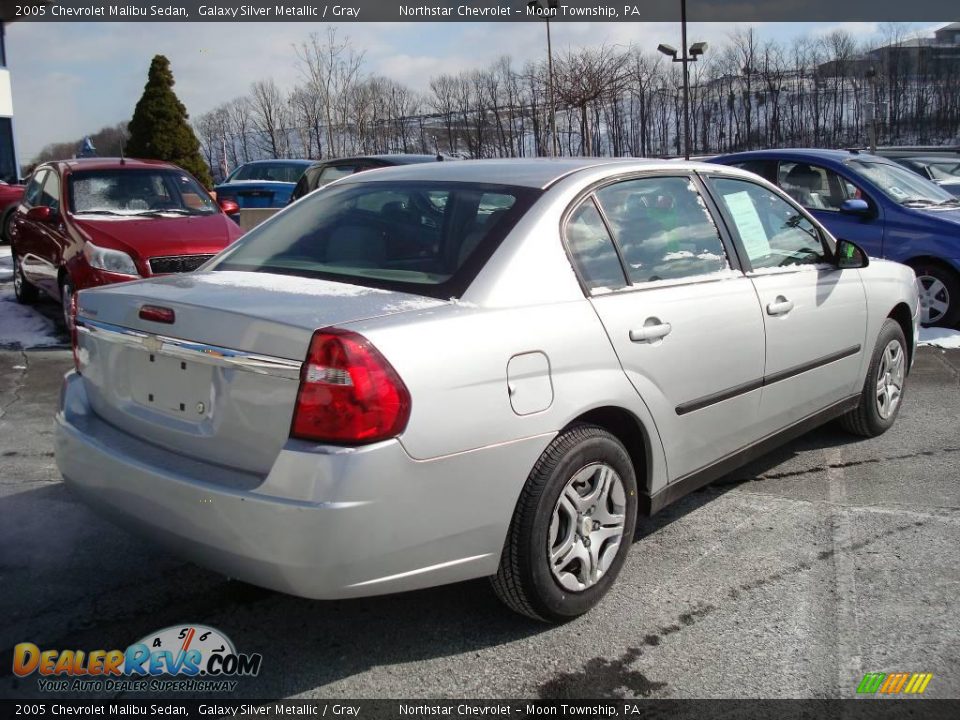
(73, 580)
(826, 436)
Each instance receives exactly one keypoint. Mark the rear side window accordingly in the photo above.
(424, 237)
(334, 172)
(663, 228)
(592, 250)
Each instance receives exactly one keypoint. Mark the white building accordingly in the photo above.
(9, 169)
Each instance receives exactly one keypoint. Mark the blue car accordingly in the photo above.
(262, 183)
(886, 209)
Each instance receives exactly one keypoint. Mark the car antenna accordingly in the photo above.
(123, 160)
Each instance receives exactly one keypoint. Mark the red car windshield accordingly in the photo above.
(137, 192)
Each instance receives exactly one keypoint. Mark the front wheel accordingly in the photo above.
(571, 529)
(882, 392)
(26, 293)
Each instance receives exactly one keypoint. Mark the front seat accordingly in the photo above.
(802, 183)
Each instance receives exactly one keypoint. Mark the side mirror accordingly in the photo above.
(41, 213)
(855, 206)
(850, 255)
(230, 207)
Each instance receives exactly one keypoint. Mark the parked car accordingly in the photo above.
(325, 172)
(444, 371)
(889, 211)
(262, 183)
(10, 196)
(83, 223)
(944, 170)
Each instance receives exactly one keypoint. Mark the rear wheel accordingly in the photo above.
(939, 294)
(571, 529)
(883, 389)
(26, 293)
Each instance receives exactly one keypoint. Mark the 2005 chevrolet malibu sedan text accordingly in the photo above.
(429, 373)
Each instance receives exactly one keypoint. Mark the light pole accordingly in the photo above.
(689, 55)
(547, 12)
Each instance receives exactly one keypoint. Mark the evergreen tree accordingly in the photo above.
(159, 129)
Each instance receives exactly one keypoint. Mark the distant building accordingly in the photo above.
(919, 56)
(9, 168)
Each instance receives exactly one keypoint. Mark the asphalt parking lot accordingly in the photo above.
(793, 577)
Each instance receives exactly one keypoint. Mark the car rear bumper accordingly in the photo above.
(324, 523)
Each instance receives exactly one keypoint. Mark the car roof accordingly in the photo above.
(809, 153)
(109, 163)
(395, 159)
(525, 172)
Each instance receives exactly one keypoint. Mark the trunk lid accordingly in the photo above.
(222, 387)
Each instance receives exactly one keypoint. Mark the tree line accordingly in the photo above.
(747, 93)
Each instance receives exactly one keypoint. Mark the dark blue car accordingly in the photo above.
(888, 210)
(262, 183)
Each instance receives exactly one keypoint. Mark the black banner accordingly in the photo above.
(853, 709)
(472, 10)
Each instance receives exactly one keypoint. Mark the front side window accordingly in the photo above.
(415, 236)
(663, 228)
(816, 187)
(50, 195)
(771, 230)
(592, 249)
(137, 192)
(31, 196)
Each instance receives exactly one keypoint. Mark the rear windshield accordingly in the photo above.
(277, 172)
(429, 238)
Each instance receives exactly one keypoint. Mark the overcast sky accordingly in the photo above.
(72, 79)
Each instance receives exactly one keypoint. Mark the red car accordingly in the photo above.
(10, 196)
(95, 221)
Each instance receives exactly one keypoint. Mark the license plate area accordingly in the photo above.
(172, 386)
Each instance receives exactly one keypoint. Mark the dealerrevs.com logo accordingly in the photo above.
(188, 658)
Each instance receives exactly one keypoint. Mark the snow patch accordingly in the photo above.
(940, 337)
(22, 326)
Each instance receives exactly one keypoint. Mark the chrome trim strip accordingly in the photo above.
(192, 351)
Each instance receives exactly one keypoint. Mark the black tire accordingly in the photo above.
(949, 291)
(5, 235)
(524, 580)
(867, 419)
(26, 293)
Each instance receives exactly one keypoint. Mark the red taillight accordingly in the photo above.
(349, 393)
(154, 313)
(74, 339)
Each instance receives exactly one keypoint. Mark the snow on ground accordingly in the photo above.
(21, 325)
(940, 337)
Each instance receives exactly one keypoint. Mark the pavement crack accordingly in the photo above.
(18, 385)
(840, 465)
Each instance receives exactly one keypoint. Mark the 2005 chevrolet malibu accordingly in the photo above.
(429, 373)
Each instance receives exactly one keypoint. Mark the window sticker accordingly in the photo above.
(751, 229)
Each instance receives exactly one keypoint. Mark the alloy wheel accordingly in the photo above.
(66, 295)
(17, 276)
(586, 528)
(934, 299)
(890, 377)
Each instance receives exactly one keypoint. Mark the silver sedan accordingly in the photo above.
(425, 374)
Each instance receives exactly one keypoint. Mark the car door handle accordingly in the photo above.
(780, 306)
(652, 330)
